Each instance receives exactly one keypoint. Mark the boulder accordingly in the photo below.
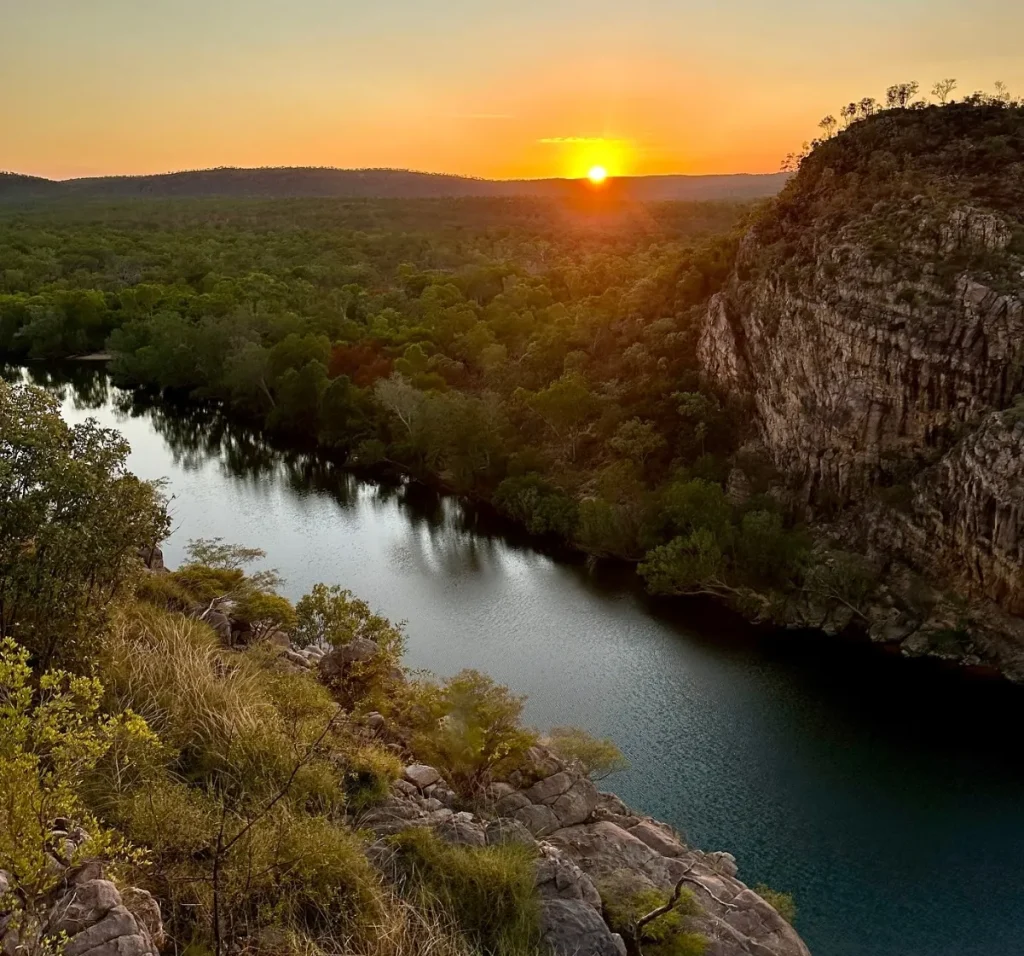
(96, 921)
(576, 804)
(573, 928)
(539, 820)
(336, 663)
(144, 908)
(550, 788)
(221, 623)
(734, 918)
(511, 802)
(462, 830)
(85, 905)
(659, 838)
(420, 775)
(723, 862)
(559, 878)
(152, 557)
(503, 831)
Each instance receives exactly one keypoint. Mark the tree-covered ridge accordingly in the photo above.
(328, 183)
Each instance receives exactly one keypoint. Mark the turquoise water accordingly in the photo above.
(885, 795)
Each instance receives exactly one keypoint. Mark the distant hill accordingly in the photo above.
(300, 182)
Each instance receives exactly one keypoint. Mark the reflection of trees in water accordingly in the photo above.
(445, 535)
(87, 384)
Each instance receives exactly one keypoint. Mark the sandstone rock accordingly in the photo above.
(152, 557)
(539, 820)
(576, 804)
(220, 623)
(910, 382)
(559, 878)
(144, 908)
(462, 830)
(572, 928)
(550, 788)
(97, 923)
(421, 775)
(658, 838)
(336, 663)
(511, 802)
(85, 905)
(499, 832)
(732, 917)
(723, 862)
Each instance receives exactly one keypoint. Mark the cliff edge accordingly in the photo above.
(875, 322)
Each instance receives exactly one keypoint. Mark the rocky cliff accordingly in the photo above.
(875, 321)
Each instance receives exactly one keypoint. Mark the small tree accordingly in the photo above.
(329, 616)
(900, 95)
(72, 520)
(472, 729)
(598, 758)
(942, 90)
(828, 126)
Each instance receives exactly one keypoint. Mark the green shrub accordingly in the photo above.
(537, 505)
(469, 728)
(783, 903)
(597, 758)
(487, 892)
(52, 737)
(665, 936)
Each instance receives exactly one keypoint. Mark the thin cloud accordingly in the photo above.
(576, 140)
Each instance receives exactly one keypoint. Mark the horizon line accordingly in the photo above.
(378, 169)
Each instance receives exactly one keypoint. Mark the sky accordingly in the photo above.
(510, 89)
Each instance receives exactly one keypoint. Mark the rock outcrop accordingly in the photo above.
(86, 915)
(875, 322)
(586, 841)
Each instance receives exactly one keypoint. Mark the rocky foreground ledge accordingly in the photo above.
(584, 841)
(585, 838)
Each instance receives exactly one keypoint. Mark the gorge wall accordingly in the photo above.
(875, 322)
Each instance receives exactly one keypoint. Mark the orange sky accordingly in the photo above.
(494, 89)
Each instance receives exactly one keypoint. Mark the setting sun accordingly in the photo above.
(597, 175)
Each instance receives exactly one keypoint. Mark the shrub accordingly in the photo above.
(487, 892)
(537, 505)
(369, 772)
(51, 737)
(665, 936)
(292, 870)
(597, 758)
(331, 617)
(782, 903)
(470, 728)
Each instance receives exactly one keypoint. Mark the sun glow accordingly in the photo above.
(597, 175)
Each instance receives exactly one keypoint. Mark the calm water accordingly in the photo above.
(886, 796)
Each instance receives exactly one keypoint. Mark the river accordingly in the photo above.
(886, 795)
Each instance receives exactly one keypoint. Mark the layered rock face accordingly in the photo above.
(881, 344)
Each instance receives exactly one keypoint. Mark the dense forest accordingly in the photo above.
(540, 356)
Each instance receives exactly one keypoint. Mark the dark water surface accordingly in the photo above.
(886, 796)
